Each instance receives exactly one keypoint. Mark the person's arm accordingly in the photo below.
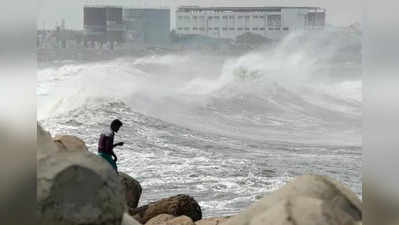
(118, 144)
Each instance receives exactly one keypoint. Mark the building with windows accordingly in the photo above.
(150, 26)
(231, 22)
(103, 24)
(111, 24)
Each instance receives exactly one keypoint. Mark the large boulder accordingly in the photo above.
(333, 196)
(128, 220)
(160, 219)
(75, 188)
(70, 143)
(45, 143)
(212, 221)
(302, 211)
(181, 220)
(165, 219)
(132, 190)
(177, 206)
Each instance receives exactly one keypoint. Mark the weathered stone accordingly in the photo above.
(334, 196)
(45, 143)
(181, 220)
(302, 211)
(75, 188)
(212, 221)
(70, 143)
(128, 220)
(132, 190)
(177, 206)
(160, 219)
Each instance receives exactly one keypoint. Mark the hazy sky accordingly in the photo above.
(51, 12)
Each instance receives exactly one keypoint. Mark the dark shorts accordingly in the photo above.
(109, 159)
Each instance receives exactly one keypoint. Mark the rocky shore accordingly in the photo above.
(76, 187)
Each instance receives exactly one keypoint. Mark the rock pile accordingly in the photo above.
(76, 187)
(176, 206)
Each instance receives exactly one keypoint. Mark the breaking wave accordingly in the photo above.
(224, 129)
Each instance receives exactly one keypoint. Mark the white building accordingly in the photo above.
(230, 22)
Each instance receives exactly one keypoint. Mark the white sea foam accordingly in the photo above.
(226, 130)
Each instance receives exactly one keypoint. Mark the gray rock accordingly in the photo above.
(132, 190)
(128, 220)
(160, 219)
(335, 197)
(75, 188)
(45, 143)
(70, 143)
(212, 221)
(181, 220)
(302, 211)
(177, 206)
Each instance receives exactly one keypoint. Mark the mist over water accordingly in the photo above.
(224, 129)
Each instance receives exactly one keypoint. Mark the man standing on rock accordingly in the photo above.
(106, 143)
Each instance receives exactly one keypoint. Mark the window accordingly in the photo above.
(246, 17)
(201, 28)
(180, 28)
(217, 17)
(315, 19)
(240, 17)
(216, 28)
(210, 17)
(231, 17)
(255, 17)
(239, 28)
(274, 20)
(195, 28)
(186, 28)
(187, 17)
(262, 28)
(285, 28)
(246, 28)
(195, 17)
(209, 28)
(255, 28)
(225, 17)
(262, 17)
(271, 28)
(180, 17)
(232, 28)
(202, 17)
(224, 28)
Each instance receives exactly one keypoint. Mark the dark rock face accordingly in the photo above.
(75, 188)
(177, 206)
(132, 190)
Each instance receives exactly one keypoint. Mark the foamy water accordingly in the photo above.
(225, 130)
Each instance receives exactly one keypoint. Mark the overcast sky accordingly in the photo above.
(51, 12)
